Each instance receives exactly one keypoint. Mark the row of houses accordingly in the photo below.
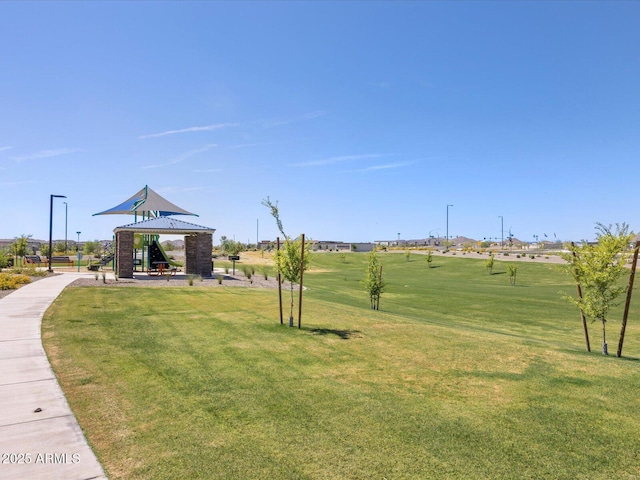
(326, 245)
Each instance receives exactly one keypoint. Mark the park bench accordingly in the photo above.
(59, 260)
(33, 259)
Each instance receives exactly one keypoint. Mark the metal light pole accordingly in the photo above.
(447, 246)
(51, 226)
(78, 248)
(431, 236)
(66, 216)
(501, 231)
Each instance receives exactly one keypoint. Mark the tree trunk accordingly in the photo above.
(605, 350)
(291, 309)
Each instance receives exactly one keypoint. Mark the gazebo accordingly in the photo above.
(155, 212)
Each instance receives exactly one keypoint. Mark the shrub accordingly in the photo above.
(247, 271)
(13, 281)
(219, 279)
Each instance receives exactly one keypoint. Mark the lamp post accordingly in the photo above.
(78, 248)
(65, 226)
(501, 231)
(51, 226)
(447, 245)
(431, 236)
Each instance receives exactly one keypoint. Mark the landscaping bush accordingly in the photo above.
(13, 281)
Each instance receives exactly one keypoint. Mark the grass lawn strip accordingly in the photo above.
(458, 377)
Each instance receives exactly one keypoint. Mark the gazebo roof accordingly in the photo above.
(146, 202)
(164, 225)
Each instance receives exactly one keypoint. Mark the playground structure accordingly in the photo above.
(142, 236)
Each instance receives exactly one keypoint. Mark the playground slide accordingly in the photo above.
(157, 254)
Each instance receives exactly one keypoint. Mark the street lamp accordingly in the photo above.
(447, 245)
(501, 231)
(78, 249)
(65, 226)
(51, 226)
(431, 236)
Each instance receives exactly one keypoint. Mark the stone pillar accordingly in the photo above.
(198, 254)
(124, 254)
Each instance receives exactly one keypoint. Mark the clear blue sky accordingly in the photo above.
(363, 119)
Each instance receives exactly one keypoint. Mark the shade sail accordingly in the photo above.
(146, 202)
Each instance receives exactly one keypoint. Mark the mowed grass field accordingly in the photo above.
(460, 375)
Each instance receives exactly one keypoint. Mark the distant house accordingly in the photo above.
(325, 245)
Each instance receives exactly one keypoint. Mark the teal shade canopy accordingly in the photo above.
(146, 202)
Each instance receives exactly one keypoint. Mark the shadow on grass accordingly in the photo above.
(343, 334)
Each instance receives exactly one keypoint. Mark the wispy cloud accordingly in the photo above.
(206, 128)
(44, 154)
(387, 166)
(183, 157)
(4, 149)
(333, 160)
(278, 122)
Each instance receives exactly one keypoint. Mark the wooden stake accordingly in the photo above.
(279, 283)
(584, 319)
(301, 272)
(628, 302)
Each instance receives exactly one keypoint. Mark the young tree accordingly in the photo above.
(597, 269)
(290, 260)
(513, 270)
(489, 264)
(429, 258)
(373, 283)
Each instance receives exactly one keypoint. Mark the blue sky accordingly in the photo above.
(362, 119)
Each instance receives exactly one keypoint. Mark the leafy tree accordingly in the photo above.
(288, 260)
(407, 255)
(59, 247)
(597, 269)
(231, 247)
(92, 247)
(20, 246)
(373, 283)
(5, 258)
(429, 258)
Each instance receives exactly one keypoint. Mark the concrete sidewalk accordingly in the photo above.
(39, 435)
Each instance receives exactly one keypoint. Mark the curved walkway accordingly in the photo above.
(39, 435)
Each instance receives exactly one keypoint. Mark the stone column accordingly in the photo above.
(124, 254)
(198, 254)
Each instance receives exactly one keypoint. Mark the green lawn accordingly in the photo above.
(460, 375)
